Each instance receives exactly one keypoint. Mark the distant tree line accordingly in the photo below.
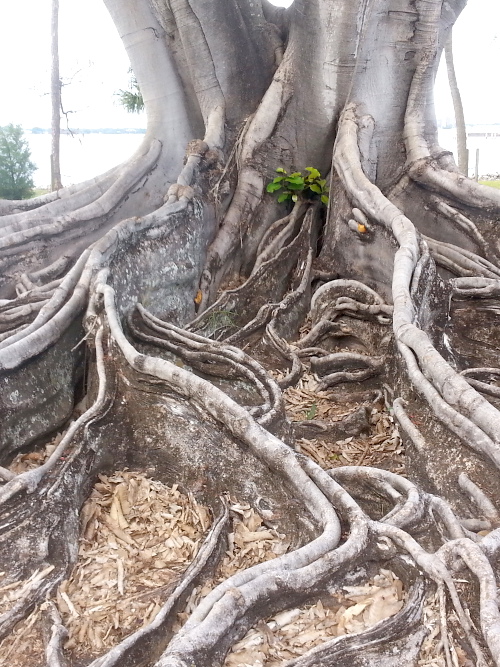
(16, 167)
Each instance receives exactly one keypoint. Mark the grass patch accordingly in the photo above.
(37, 192)
(492, 184)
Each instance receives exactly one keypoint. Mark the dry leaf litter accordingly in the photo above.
(28, 461)
(291, 633)
(22, 647)
(138, 536)
(432, 652)
(249, 543)
(381, 447)
(115, 599)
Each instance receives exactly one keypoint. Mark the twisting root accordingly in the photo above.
(51, 203)
(363, 367)
(489, 510)
(249, 307)
(54, 651)
(444, 625)
(285, 311)
(68, 299)
(320, 330)
(277, 236)
(15, 236)
(6, 475)
(434, 567)
(19, 315)
(213, 357)
(407, 514)
(461, 262)
(350, 297)
(475, 288)
(473, 557)
(409, 507)
(287, 352)
(408, 426)
(462, 223)
(443, 387)
(50, 272)
(466, 430)
(483, 387)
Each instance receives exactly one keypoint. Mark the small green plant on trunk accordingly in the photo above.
(298, 185)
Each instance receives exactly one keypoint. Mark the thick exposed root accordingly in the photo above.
(442, 386)
(481, 288)
(54, 652)
(240, 312)
(19, 235)
(344, 367)
(341, 497)
(216, 359)
(10, 207)
(190, 405)
(423, 166)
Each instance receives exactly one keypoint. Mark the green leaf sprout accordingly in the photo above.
(307, 186)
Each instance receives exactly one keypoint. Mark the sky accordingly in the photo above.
(94, 65)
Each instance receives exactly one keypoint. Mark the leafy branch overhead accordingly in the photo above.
(295, 186)
(131, 99)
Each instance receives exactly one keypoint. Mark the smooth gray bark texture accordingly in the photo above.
(166, 291)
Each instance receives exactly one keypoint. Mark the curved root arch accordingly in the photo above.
(211, 394)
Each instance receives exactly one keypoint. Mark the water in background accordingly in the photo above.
(88, 155)
(82, 156)
(489, 147)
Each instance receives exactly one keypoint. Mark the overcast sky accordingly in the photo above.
(94, 64)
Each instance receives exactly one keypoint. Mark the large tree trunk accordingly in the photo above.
(163, 295)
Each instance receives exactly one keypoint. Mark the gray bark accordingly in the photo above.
(125, 288)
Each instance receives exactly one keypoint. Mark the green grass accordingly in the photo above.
(492, 184)
(40, 191)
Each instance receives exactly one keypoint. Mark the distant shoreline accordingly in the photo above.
(83, 155)
(99, 130)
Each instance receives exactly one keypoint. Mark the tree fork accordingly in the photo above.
(161, 241)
